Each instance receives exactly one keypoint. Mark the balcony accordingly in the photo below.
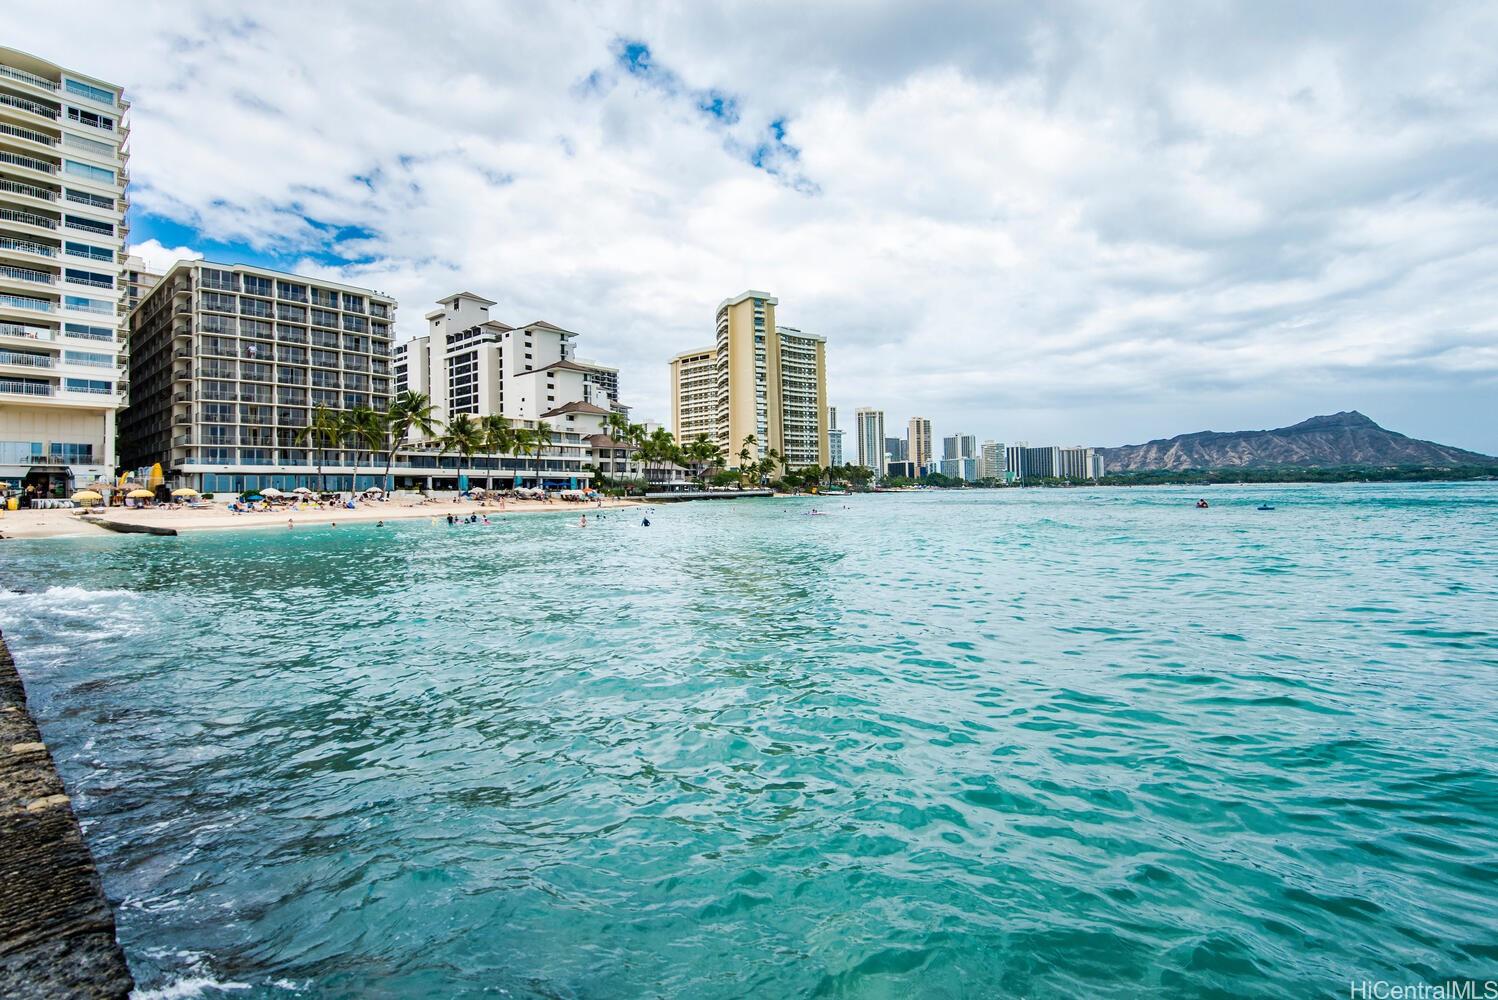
(27, 104)
(25, 302)
(27, 246)
(26, 388)
(29, 360)
(28, 275)
(26, 218)
(28, 190)
(10, 72)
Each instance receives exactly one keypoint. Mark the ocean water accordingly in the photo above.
(1002, 743)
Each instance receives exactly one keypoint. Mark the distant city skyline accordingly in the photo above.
(1139, 225)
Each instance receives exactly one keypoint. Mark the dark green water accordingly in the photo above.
(1019, 743)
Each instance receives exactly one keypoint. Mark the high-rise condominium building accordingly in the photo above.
(694, 394)
(1014, 461)
(896, 449)
(918, 435)
(870, 427)
(1078, 462)
(63, 182)
(227, 363)
(991, 464)
(769, 383)
(1042, 463)
(834, 438)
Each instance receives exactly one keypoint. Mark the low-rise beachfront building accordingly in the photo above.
(230, 362)
(63, 200)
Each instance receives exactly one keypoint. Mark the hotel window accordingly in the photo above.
(89, 252)
(86, 385)
(90, 118)
(88, 332)
(88, 225)
(256, 285)
(88, 358)
(223, 280)
(88, 90)
(67, 451)
(102, 149)
(86, 305)
(88, 278)
(87, 198)
(88, 171)
(353, 303)
(253, 307)
(291, 292)
(219, 302)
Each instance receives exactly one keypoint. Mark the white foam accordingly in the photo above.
(191, 987)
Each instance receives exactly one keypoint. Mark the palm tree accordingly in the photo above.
(539, 444)
(365, 430)
(520, 441)
(660, 446)
(321, 433)
(745, 454)
(499, 437)
(408, 411)
(464, 437)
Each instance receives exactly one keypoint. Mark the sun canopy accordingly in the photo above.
(140, 494)
(185, 491)
(271, 491)
(86, 496)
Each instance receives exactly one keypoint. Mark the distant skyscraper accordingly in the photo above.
(1014, 462)
(1099, 468)
(834, 438)
(991, 464)
(949, 446)
(870, 427)
(897, 449)
(1076, 463)
(1042, 463)
(919, 438)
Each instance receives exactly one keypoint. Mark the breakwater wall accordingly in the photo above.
(56, 928)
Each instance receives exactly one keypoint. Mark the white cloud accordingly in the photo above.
(1090, 222)
(159, 258)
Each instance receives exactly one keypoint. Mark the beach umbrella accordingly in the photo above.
(271, 491)
(87, 496)
(97, 485)
(140, 494)
(302, 490)
(157, 477)
(185, 491)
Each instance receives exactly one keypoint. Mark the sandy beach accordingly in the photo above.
(66, 523)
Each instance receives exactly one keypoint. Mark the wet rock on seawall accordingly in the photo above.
(56, 928)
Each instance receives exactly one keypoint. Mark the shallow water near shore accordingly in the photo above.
(995, 743)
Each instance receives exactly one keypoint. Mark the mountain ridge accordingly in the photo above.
(1346, 438)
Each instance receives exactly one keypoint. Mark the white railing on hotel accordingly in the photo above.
(28, 134)
(25, 388)
(26, 274)
(32, 360)
(25, 77)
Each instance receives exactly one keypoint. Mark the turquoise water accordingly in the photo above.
(1013, 743)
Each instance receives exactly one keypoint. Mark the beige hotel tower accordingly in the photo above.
(757, 379)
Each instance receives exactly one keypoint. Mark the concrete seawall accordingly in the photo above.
(56, 928)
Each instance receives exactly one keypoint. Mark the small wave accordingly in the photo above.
(194, 986)
(64, 594)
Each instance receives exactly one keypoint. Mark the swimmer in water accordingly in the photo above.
(289, 525)
(645, 523)
(582, 522)
(380, 524)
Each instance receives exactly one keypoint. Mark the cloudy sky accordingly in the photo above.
(1093, 223)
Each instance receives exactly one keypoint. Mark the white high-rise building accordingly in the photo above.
(63, 181)
(870, 427)
(834, 438)
(991, 465)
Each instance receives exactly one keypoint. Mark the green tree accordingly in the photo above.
(362, 429)
(465, 437)
(408, 411)
(321, 433)
(499, 436)
(541, 442)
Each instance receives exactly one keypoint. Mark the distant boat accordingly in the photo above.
(832, 493)
(1265, 506)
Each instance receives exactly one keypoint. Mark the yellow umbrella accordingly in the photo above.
(124, 479)
(157, 476)
(87, 496)
(185, 491)
(139, 494)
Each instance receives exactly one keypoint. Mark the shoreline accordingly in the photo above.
(33, 524)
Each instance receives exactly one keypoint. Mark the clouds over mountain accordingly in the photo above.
(1070, 222)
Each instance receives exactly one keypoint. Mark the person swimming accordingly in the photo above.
(645, 523)
(582, 522)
